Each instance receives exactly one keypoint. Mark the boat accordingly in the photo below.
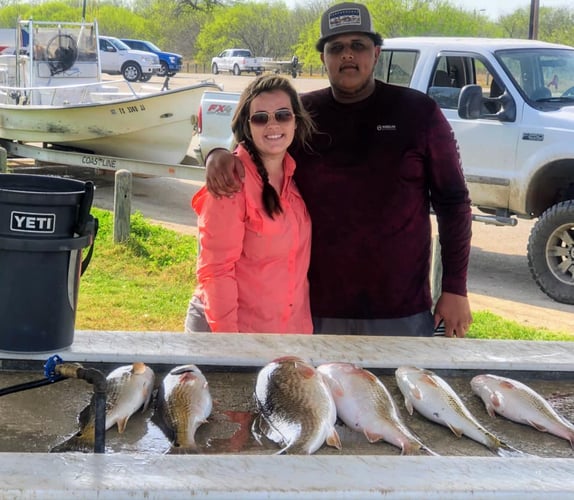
(52, 92)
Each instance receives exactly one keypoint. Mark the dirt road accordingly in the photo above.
(499, 279)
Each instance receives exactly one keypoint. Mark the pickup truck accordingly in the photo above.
(118, 59)
(237, 61)
(511, 105)
(170, 62)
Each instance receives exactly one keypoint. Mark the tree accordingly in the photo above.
(273, 34)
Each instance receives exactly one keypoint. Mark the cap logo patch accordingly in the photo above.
(344, 17)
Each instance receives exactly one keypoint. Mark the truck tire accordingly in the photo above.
(214, 69)
(236, 70)
(163, 70)
(551, 252)
(131, 71)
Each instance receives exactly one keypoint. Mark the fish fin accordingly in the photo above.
(334, 440)
(409, 406)
(429, 379)
(336, 388)
(305, 370)
(505, 450)
(78, 442)
(456, 431)
(183, 450)
(373, 437)
(147, 398)
(537, 426)
(416, 393)
(122, 423)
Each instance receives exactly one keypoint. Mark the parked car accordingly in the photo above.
(237, 61)
(118, 59)
(171, 63)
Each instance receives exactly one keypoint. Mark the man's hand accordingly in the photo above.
(224, 173)
(454, 311)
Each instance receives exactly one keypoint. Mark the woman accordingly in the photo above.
(255, 247)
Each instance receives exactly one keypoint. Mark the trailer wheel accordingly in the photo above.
(551, 252)
(236, 70)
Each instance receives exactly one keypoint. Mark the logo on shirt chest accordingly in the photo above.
(386, 128)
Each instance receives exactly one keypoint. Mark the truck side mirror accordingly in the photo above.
(471, 105)
(470, 102)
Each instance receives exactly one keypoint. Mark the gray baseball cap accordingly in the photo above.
(346, 17)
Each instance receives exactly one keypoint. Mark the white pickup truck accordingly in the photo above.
(237, 61)
(511, 105)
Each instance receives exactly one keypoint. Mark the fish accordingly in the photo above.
(365, 405)
(128, 388)
(518, 402)
(295, 408)
(184, 403)
(435, 399)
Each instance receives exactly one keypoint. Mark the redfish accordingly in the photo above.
(128, 389)
(295, 407)
(183, 404)
(518, 402)
(364, 404)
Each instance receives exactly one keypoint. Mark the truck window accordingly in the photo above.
(396, 67)
(541, 74)
(452, 72)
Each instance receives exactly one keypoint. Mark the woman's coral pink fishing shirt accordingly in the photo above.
(252, 270)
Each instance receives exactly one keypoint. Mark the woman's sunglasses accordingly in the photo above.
(262, 117)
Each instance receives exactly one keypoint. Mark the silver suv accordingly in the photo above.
(118, 59)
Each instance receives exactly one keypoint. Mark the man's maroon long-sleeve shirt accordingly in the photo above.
(375, 169)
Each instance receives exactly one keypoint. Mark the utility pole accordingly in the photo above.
(533, 25)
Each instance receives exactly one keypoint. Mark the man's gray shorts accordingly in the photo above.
(417, 325)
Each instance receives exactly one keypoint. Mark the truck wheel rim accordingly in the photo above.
(560, 253)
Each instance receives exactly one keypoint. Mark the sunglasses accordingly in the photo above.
(262, 117)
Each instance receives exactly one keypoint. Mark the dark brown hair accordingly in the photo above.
(242, 130)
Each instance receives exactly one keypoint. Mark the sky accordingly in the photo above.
(496, 8)
(491, 8)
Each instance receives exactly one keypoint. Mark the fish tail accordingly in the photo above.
(78, 442)
(183, 450)
(505, 450)
(417, 449)
(427, 451)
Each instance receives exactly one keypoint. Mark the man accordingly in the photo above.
(382, 157)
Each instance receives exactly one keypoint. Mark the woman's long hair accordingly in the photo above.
(242, 131)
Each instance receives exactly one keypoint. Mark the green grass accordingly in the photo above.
(145, 285)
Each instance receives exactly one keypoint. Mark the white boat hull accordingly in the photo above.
(156, 127)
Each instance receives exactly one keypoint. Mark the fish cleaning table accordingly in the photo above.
(320, 476)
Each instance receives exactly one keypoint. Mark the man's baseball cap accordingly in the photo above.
(346, 17)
